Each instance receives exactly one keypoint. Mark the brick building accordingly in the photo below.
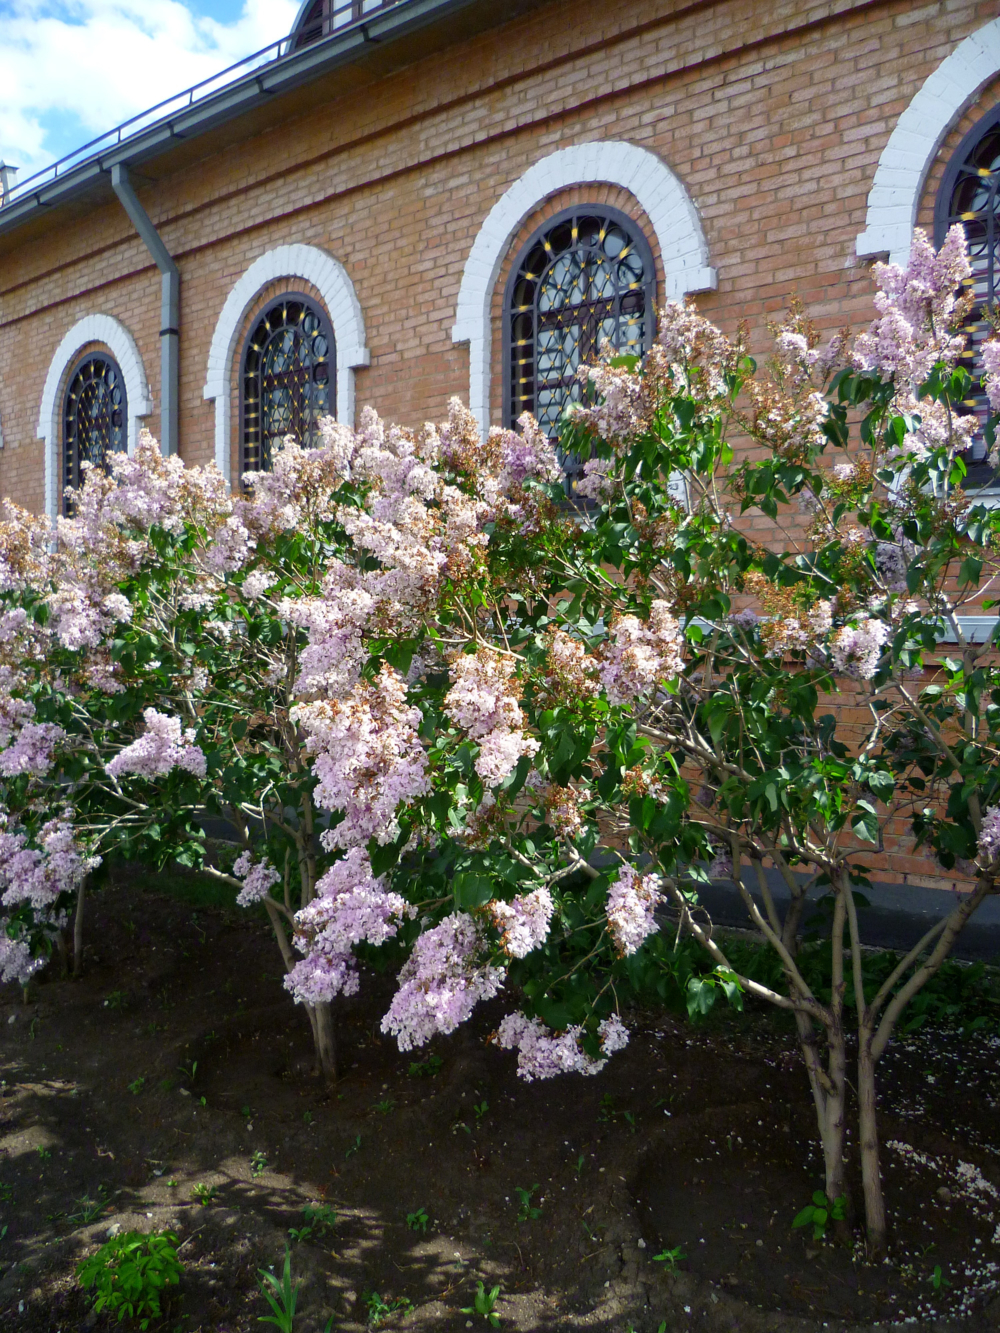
(393, 206)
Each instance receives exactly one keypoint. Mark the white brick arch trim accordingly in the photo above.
(120, 343)
(659, 193)
(322, 271)
(914, 143)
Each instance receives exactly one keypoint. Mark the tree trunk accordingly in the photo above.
(78, 930)
(321, 1022)
(829, 1100)
(871, 1174)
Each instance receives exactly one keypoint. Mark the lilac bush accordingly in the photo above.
(502, 739)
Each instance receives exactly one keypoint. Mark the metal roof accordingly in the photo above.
(252, 83)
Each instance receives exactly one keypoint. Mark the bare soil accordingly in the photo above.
(177, 1061)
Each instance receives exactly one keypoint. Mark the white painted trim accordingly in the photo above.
(914, 143)
(330, 279)
(657, 190)
(120, 343)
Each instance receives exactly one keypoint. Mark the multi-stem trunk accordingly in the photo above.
(828, 1087)
(321, 1022)
(876, 1225)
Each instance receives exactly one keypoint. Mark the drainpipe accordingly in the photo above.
(169, 307)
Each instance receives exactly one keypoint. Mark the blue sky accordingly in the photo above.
(71, 69)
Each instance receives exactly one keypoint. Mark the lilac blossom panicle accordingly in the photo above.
(620, 412)
(989, 834)
(31, 750)
(351, 906)
(856, 649)
(483, 703)
(991, 372)
(542, 1053)
(37, 877)
(367, 756)
(257, 879)
(632, 903)
(441, 982)
(161, 747)
(641, 654)
(524, 921)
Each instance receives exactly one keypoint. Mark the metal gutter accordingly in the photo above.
(336, 51)
(170, 295)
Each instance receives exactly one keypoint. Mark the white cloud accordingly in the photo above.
(72, 69)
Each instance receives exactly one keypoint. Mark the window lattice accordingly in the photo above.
(970, 194)
(289, 378)
(326, 16)
(585, 278)
(95, 418)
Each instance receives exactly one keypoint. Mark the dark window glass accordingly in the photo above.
(95, 418)
(585, 278)
(289, 379)
(969, 195)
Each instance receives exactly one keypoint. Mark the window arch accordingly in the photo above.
(970, 194)
(95, 417)
(287, 378)
(584, 278)
(286, 264)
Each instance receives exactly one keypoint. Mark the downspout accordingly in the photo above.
(170, 285)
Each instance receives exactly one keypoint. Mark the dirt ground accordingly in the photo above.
(177, 1066)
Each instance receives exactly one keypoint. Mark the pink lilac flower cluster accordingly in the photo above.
(991, 372)
(330, 664)
(912, 332)
(620, 412)
(367, 756)
(17, 963)
(642, 654)
(794, 347)
(856, 649)
(696, 352)
(542, 1053)
(989, 834)
(598, 481)
(441, 982)
(36, 877)
(482, 702)
(162, 746)
(790, 634)
(632, 903)
(257, 879)
(915, 308)
(31, 751)
(524, 921)
(351, 906)
(562, 811)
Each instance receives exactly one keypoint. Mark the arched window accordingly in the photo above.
(970, 194)
(95, 417)
(586, 277)
(288, 378)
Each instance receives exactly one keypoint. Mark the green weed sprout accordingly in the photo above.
(417, 1221)
(281, 1297)
(526, 1212)
(129, 1274)
(670, 1257)
(484, 1303)
(821, 1211)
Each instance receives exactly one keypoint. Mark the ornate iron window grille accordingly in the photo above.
(288, 378)
(970, 194)
(95, 418)
(585, 277)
